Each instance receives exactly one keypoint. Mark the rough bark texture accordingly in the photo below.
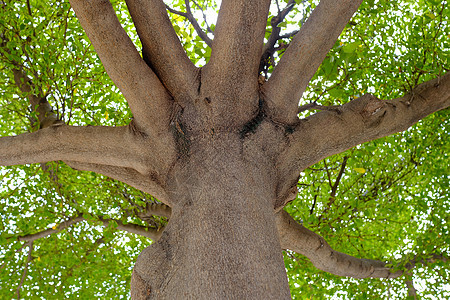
(220, 148)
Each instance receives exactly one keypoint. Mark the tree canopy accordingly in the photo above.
(67, 233)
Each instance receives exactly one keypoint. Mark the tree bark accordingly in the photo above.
(221, 241)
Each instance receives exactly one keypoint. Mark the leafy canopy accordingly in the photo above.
(387, 199)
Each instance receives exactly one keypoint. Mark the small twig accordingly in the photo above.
(204, 17)
(188, 15)
(24, 275)
(412, 292)
(314, 204)
(18, 250)
(288, 35)
(29, 8)
(338, 179)
(269, 47)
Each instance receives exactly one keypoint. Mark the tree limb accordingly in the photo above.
(38, 235)
(149, 183)
(208, 28)
(295, 237)
(315, 106)
(361, 120)
(92, 144)
(148, 99)
(306, 52)
(269, 47)
(151, 233)
(162, 49)
(188, 15)
(233, 67)
(197, 27)
(44, 112)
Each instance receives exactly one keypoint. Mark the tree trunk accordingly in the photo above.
(221, 242)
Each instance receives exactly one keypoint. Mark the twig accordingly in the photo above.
(18, 250)
(188, 15)
(204, 17)
(338, 179)
(269, 47)
(47, 232)
(29, 8)
(412, 292)
(24, 275)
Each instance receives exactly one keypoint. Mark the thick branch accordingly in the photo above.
(150, 183)
(148, 99)
(236, 52)
(100, 145)
(295, 237)
(162, 49)
(361, 120)
(304, 55)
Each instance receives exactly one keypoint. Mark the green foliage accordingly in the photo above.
(391, 203)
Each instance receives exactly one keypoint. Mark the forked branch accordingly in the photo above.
(41, 234)
(188, 15)
(296, 237)
(367, 118)
(304, 55)
(233, 67)
(162, 49)
(361, 120)
(148, 99)
(269, 47)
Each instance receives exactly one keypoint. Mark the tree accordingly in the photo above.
(218, 149)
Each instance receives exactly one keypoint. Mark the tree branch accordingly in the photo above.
(151, 233)
(150, 183)
(412, 292)
(148, 99)
(233, 67)
(24, 275)
(269, 47)
(38, 235)
(295, 237)
(188, 15)
(208, 28)
(162, 49)
(44, 112)
(361, 120)
(306, 52)
(114, 146)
